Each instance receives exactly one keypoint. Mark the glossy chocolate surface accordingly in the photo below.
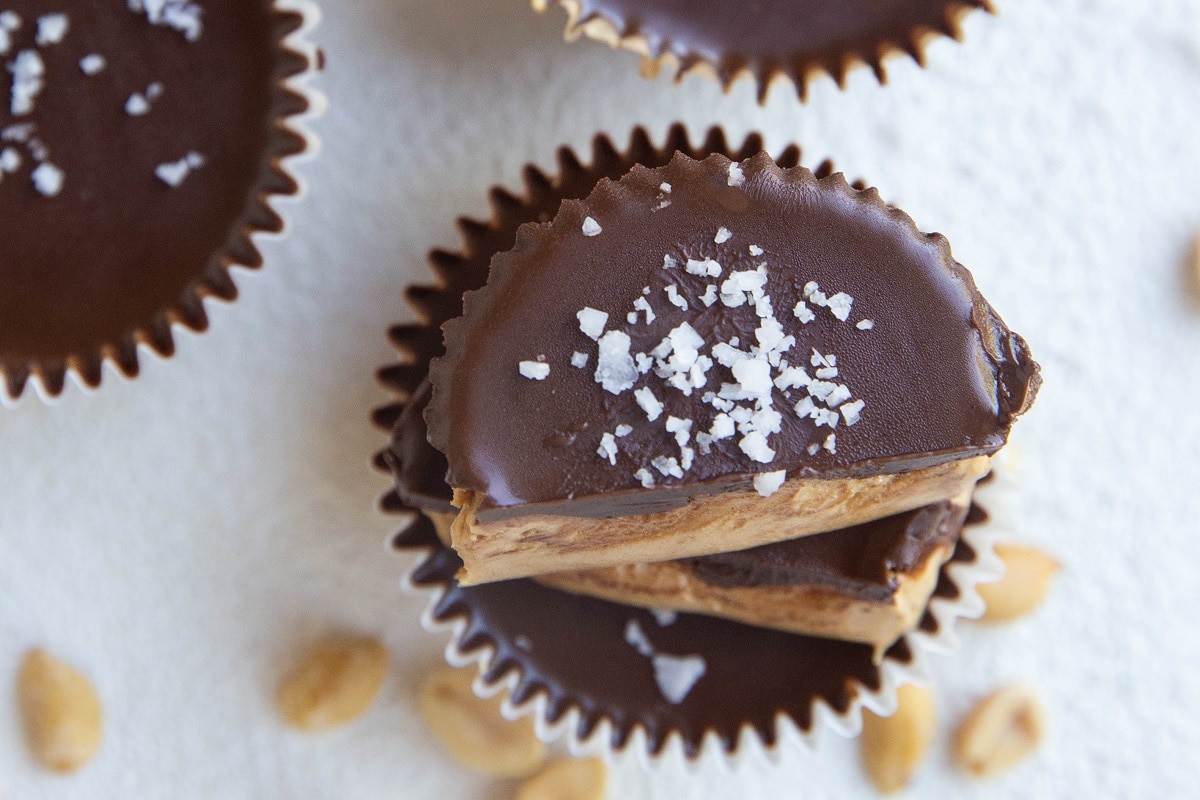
(940, 375)
(780, 36)
(118, 248)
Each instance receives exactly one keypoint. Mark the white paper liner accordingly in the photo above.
(987, 567)
(299, 42)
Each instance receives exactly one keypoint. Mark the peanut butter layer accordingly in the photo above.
(692, 329)
(868, 583)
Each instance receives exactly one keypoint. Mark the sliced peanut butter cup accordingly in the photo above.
(710, 356)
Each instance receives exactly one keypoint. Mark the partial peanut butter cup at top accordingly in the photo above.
(610, 674)
(709, 356)
(143, 148)
(797, 40)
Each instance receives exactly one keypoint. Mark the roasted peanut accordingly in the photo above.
(1005, 727)
(61, 712)
(567, 779)
(893, 747)
(1028, 575)
(335, 683)
(473, 730)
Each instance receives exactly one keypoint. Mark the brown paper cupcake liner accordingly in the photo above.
(564, 658)
(130, 293)
(789, 40)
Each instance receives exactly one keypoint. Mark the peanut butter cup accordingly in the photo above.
(794, 39)
(607, 673)
(142, 145)
(710, 356)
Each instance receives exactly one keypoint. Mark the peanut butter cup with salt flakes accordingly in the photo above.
(143, 144)
(609, 675)
(710, 356)
(796, 40)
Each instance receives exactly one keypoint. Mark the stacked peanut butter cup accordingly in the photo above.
(699, 441)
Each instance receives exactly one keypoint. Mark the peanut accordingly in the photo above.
(893, 747)
(1005, 727)
(335, 683)
(473, 730)
(567, 779)
(1028, 575)
(61, 712)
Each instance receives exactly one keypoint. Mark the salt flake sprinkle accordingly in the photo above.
(534, 370)
(173, 173)
(47, 179)
(675, 675)
(52, 29)
(768, 483)
(92, 64)
(180, 15)
(591, 227)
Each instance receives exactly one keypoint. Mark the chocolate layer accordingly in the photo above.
(792, 37)
(864, 561)
(940, 375)
(118, 248)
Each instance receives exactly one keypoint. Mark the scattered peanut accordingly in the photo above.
(893, 747)
(1027, 578)
(1005, 727)
(60, 710)
(472, 729)
(567, 779)
(335, 683)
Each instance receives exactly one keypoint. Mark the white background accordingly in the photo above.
(180, 536)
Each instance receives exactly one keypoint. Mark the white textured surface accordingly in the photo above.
(178, 536)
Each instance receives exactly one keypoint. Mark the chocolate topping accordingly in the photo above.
(896, 326)
(792, 37)
(168, 146)
(865, 560)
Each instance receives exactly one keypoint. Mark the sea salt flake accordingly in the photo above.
(687, 457)
(9, 21)
(768, 483)
(615, 370)
(92, 64)
(649, 403)
(821, 389)
(667, 466)
(852, 412)
(803, 313)
(755, 250)
(631, 317)
(810, 288)
(592, 322)
(579, 359)
(865, 324)
(52, 28)
(643, 363)
(180, 15)
(676, 675)
(704, 267)
(710, 295)
(173, 173)
(27, 70)
(608, 448)
(723, 235)
(591, 227)
(636, 638)
(840, 305)
(806, 408)
(753, 377)
(754, 445)
(674, 298)
(643, 305)
(792, 378)
(669, 262)
(736, 176)
(664, 616)
(825, 373)
(819, 360)
(681, 428)
(813, 449)
(10, 160)
(839, 395)
(47, 179)
(534, 370)
(623, 430)
(646, 477)
(137, 105)
(665, 187)
(831, 443)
